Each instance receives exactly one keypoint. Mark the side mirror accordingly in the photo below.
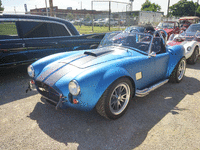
(152, 54)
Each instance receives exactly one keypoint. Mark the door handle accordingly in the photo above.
(23, 45)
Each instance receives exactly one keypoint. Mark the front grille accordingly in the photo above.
(47, 91)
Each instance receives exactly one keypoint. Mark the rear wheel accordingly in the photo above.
(115, 100)
(194, 56)
(178, 72)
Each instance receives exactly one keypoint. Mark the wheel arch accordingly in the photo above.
(109, 77)
(103, 106)
(116, 73)
(176, 54)
(97, 82)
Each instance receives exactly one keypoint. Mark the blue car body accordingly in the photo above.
(95, 70)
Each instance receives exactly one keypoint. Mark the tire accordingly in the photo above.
(193, 58)
(178, 72)
(112, 105)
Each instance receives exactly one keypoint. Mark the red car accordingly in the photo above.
(171, 27)
(186, 21)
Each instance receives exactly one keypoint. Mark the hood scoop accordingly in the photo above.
(97, 53)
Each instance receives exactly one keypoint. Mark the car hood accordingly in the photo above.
(189, 33)
(81, 60)
(168, 30)
(92, 57)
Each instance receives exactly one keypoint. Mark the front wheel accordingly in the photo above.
(115, 100)
(178, 72)
(194, 56)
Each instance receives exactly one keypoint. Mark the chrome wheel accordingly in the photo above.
(181, 69)
(119, 98)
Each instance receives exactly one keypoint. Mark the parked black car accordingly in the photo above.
(26, 38)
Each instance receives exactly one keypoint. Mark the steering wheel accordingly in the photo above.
(134, 30)
(143, 47)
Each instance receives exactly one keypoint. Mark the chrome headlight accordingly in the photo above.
(31, 71)
(74, 87)
(189, 48)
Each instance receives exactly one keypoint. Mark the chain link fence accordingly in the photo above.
(122, 19)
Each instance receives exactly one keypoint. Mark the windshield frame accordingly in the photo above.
(161, 23)
(108, 41)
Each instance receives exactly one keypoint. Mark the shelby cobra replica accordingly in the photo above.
(190, 40)
(124, 65)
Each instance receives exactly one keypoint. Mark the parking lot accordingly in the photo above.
(168, 118)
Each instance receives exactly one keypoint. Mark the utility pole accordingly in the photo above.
(109, 13)
(46, 8)
(92, 16)
(196, 8)
(131, 5)
(14, 9)
(168, 10)
(51, 7)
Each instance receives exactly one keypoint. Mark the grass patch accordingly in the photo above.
(88, 29)
(8, 29)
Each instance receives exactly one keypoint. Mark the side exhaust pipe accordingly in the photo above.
(146, 91)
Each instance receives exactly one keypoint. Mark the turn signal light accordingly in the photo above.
(32, 82)
(75, 101)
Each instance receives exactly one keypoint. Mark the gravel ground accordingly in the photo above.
(166, 119)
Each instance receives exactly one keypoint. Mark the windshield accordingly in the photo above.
(193, 28)
(164, 25)
(191, 34)
(137, 41)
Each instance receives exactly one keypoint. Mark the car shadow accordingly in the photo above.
(195, 66)
(88, 130)
(13, 84)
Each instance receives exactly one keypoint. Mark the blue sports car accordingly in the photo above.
(123, 66)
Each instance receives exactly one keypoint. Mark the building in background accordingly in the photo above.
(139, 17)
(77, 14)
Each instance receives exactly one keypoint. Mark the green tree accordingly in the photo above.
(70, 16)
(148, 6)
(87, 17)
(1, 8)
(197, 9)
(183, 8)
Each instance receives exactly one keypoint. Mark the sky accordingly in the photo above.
(10, 6)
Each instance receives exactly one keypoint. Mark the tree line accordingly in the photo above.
(181, 8)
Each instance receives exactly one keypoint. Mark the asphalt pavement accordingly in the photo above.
(166, 119)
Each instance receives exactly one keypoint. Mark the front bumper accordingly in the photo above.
(47, 92)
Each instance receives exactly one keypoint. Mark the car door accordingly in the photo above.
(41, 39)
(142, 71)
(160, 60)
(12, 47)
(153, 67)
